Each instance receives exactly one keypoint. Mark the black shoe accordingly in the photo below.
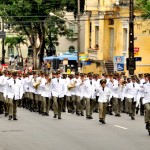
(63, 110)
(82, 114)
(132, 118)
(147, 124)
(100, 120)
(6, 114)
(130, 114)
(59, 117)
(110, 113)
(10, 117)
(90, 117)
(78, 114)
(72, 111)
(103, 122)
(46, 114)
(15, 118)
(117, 115)
(55, 116)
(43, 114)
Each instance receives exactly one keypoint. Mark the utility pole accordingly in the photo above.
(131, 64)
(78, 25)
(3, 50)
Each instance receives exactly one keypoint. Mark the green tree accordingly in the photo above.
(72, 5)
(144, 7)
(15, 42)
(30, 17)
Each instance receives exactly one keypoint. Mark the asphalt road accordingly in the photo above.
(35, 132)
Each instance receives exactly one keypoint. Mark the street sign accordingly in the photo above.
(119, 59)
(120, 67)
(86, 63)
(83, 57)
(138, 58)
(136, 51)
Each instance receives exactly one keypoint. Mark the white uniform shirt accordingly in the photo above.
(146, 98)
(103, 94)
(46, 88)
(2, 83)
(15, 89)
(90, 89)
(58, 87)
(131, 90)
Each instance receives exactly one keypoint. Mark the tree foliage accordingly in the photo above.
(144, 7)
(15, 41)
(33, 20)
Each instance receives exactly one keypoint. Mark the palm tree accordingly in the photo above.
(16, 42)
(20, 40)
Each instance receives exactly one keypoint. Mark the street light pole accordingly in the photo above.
(78, 44)
(131, 60)
(3, 50)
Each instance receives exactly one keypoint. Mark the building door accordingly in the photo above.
(111, 48)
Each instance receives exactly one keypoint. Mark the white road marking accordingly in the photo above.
(121, 127)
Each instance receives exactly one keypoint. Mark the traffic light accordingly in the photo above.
(131, 65)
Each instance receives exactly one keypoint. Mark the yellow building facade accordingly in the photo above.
(107, 35)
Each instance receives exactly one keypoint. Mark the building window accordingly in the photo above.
(125, 42)
(71, 49)
(111, 48)
(96, 35)
(10, 51)
(73, 28)
(111, 21)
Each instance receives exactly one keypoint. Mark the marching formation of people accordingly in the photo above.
(77, 93)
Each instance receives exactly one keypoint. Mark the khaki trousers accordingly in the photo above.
(73, 100)
(89, 106)
(126, 105)
(116, 105)
(45, 105)
(68, 99)
(79, 105)
(12, 104)
(147, 112)
(1, 103)
(6, 106)
(57, 105)
(102, 110)
(131, 106)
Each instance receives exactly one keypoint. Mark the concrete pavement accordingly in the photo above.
(35, 132)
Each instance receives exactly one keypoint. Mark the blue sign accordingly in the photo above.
(119, 59)
(138, 58)
(120, 67)
(86, 63)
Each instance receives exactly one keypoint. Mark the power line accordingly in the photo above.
(92, 19)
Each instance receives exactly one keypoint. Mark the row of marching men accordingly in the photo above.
(76, 93)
